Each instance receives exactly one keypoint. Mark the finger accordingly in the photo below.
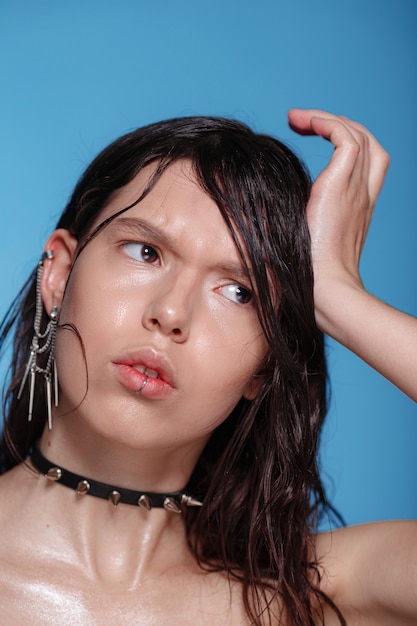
(349, 156)
(348, 170)
(331, 127)
(356, 148)
(376, 159)
(363, 165)
(300, 119)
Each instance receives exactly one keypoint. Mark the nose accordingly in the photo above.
(169, 310)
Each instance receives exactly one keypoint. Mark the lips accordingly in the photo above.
(132, 367)
(147, 371)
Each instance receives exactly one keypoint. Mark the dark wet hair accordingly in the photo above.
(258, 473)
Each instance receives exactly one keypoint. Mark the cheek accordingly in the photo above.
(93, 304)
(225, 377)
(228, 362)
(87, 309)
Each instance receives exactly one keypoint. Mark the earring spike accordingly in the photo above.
(42, 343)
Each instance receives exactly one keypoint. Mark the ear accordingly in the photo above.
(253, 387)
(56, 269)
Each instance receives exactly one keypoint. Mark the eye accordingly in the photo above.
(237, 293)
(141, 252)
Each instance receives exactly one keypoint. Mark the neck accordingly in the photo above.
(110, 458)
(113, 546)
(85, 485)
(112, 543)
(124, 540)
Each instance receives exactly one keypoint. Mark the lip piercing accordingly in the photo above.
(143, 385)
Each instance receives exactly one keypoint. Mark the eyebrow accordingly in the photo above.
(138, 226)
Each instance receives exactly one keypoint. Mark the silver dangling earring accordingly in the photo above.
(42, 343)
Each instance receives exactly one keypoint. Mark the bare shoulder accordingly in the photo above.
(354, 543)
(370, 571)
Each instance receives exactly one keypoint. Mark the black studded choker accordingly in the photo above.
(86, 486)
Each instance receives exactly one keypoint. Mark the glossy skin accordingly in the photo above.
(160, 287)
(87, 562)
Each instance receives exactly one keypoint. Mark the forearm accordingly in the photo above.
(382, 336)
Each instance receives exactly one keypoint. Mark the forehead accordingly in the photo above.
(176, 207)
(179, 173)
(176, 204)
(175, 186)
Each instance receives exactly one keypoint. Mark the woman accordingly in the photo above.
(174, 304)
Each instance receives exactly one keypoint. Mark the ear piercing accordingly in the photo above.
(42, 343)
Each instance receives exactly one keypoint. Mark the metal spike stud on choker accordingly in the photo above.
(86, 486)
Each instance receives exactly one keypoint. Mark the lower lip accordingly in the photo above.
(133, 380)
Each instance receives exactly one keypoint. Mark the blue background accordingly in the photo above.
(74, 76)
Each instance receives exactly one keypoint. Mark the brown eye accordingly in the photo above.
(237, 293)
(149, 254)
(141, 252)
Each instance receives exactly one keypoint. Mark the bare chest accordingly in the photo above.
(38, 597)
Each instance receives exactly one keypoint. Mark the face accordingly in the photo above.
(163, 305)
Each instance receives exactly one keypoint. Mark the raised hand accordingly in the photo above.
(339, 212)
